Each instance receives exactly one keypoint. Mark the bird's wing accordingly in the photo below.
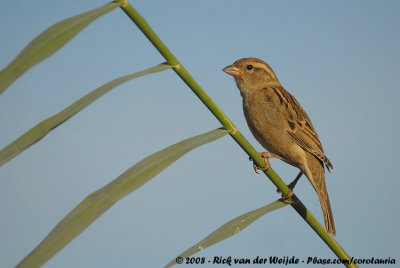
(299, 126)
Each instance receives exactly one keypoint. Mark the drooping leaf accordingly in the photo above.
(100, 201)
(40, 130)
(48, 42)
(229, 229)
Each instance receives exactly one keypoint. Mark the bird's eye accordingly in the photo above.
(249, 67)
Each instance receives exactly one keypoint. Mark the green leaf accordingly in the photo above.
(49, 42)
(40, 130)
(98, 202)
(229, 229)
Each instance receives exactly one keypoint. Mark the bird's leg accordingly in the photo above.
(293, 183)
(265, 155)
(291, 186)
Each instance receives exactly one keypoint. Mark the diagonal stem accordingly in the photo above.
(234, 132)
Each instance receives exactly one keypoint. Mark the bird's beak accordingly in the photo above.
(232, 70)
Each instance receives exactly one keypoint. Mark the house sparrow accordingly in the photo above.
(281, 126)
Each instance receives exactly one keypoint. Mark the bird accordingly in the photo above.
(282, 127)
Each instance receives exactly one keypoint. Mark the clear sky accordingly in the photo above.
(340, 59)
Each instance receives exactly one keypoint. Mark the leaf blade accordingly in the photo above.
(95, 204)
(229, 229)
(44, 127)
(48, 42)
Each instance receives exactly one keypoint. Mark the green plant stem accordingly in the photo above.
(234, 132)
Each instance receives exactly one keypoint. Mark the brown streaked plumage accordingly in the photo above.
(281, 126)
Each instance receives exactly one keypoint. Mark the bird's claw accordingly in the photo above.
(286, 198)
(267, 164)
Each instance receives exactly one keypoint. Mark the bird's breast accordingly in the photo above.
(263, 119)
(260, 119)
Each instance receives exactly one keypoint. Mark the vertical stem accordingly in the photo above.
(234, 132)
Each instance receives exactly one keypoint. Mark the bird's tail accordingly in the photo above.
(317, 178)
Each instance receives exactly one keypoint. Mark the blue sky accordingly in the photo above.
(340, 59)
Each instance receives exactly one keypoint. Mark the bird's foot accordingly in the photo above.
(286, 197)
(267, 166)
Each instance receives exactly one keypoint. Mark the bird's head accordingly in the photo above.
(250, 73)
